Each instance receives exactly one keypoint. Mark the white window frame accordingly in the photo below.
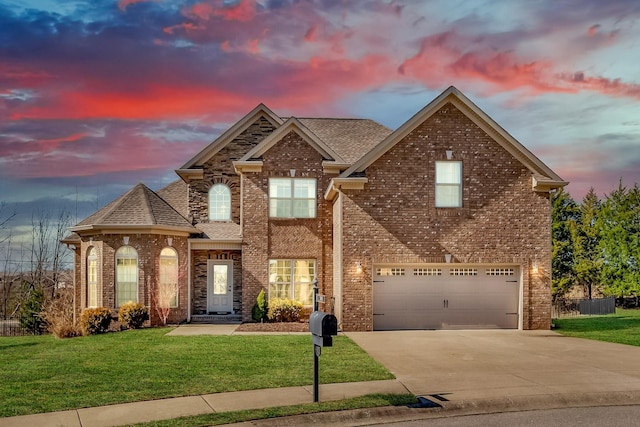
(92, 277)
(292, 199)
(290, 287)
(168, 253)
(220, 203)
(128, 255)
(444, 184)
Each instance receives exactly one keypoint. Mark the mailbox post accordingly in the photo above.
(322, 327)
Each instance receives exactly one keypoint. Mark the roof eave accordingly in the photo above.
(131, 228)
(545, 185)
(338, 184)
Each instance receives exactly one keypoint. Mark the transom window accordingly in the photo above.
(126, 275)
(220, 203)
(92, 277)
(448, 184)
(292, 279)
(292, 198)
(427, 272)
(168, 283)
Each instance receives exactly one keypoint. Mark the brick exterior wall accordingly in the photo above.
(394, 218)
(148, 248)
(270, 238)
(219, 169)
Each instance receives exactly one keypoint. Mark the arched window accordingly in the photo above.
(168, 283)
(126, 275)
(92, 277)
(220, 203)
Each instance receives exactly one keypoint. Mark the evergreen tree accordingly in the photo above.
(564, 214)
(619, 228)
(585, 236)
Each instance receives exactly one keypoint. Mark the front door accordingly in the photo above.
(220, 286)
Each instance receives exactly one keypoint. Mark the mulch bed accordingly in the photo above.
(274, 327)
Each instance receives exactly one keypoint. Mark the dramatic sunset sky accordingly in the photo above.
(98, 95)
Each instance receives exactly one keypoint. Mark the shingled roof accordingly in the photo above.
(350, 138)
(177, 195)
(139, 207)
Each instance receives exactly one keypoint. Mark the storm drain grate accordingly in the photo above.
(423, 402)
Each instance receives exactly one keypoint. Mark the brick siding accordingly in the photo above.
(394, 218)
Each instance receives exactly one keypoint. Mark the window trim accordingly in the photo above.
(457, 185)
(292, 198)
(222, 201)
(137, 273)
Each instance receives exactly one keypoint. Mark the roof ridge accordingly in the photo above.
(150, 206)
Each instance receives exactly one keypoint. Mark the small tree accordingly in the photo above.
(165, 299)
(30, 310)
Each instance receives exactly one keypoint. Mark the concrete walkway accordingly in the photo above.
(465, 372)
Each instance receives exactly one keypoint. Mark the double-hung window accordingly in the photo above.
(92, 277)
(292, 198)
(448, 184)
(126, 275)
(292, 279)
(168, 287)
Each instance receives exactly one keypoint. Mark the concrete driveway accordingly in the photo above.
(507, 369)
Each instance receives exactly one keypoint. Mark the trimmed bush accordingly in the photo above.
(95, 320)
(284, 310)
(29, 314)
(133, 315)
(260, 308)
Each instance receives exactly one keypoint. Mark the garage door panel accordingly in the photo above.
(456, 297)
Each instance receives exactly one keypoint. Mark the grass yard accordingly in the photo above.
(622, 327)
(42, 373)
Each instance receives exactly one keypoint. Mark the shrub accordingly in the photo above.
(95, 320)
(260, 308)
(58, 314)
(133, 314)
(284, 310)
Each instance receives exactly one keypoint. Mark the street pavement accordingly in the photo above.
(455, 373)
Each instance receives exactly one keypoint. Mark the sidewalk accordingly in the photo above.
(155, 410)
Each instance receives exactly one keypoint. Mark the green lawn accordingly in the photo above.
(42, 373)
(622, 327)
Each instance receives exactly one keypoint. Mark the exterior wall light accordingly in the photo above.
(449, 154)
(358, 267)
(447, 258)
(534, 267)
(292, 172)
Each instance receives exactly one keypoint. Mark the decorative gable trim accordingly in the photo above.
(482, 120)
(292, 125)
(190, 174)
(334, 167)
(337, 184)
(230, 134)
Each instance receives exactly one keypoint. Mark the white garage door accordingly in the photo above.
(445, 297)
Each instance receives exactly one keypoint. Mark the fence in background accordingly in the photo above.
(573, 307)
(12, 328)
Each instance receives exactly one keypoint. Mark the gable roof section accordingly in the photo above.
(229, 135)
(138, 209)
(544, 179)
(291, 125)
(350, 138)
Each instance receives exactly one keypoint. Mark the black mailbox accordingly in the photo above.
(322, 326)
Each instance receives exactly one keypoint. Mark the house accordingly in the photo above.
(442, 223)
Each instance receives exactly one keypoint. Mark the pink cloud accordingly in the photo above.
(243, 11)
(123, 4)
